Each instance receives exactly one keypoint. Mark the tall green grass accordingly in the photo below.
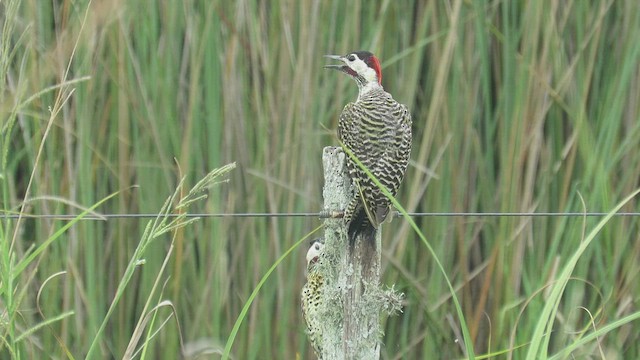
(517, 106)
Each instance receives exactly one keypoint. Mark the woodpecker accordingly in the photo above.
(310, 297)
(376, 129)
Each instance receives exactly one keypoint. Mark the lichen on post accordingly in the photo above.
(352, 298)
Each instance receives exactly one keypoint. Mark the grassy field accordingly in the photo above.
(517, 107)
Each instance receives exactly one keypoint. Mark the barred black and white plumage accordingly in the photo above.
(377, 130)
(311, 297)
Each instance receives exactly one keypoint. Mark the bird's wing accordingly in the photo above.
(394, 159)
(379, 136)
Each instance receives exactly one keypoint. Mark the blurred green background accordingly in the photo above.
(517, 107)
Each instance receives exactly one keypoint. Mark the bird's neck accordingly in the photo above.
(364, 89)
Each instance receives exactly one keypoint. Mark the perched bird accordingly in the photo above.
(376, 129)
(310, 297)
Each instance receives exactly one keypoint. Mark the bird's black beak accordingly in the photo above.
(335, 67)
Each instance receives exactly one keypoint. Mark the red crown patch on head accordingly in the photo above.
(375, 65)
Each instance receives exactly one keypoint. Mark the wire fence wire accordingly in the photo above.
(321, 215)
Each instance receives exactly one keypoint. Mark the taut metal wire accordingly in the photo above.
(322, 215)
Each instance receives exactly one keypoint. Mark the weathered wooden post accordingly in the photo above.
(352, 299)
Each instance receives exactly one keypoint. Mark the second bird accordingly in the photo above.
(376, 129)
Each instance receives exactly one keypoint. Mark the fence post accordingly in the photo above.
(352, 297)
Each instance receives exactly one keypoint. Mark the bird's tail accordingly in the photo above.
(360, 225)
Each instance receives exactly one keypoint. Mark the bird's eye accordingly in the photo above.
(351, 58)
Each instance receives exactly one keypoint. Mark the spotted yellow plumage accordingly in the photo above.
(310, 297)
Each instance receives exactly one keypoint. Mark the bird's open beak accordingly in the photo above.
(335, 67)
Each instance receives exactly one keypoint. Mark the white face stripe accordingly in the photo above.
(360, 67)
(314, 251)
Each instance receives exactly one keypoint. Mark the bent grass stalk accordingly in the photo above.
(247, 304)
(543, 330)
(468, 343)
(154, 229)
